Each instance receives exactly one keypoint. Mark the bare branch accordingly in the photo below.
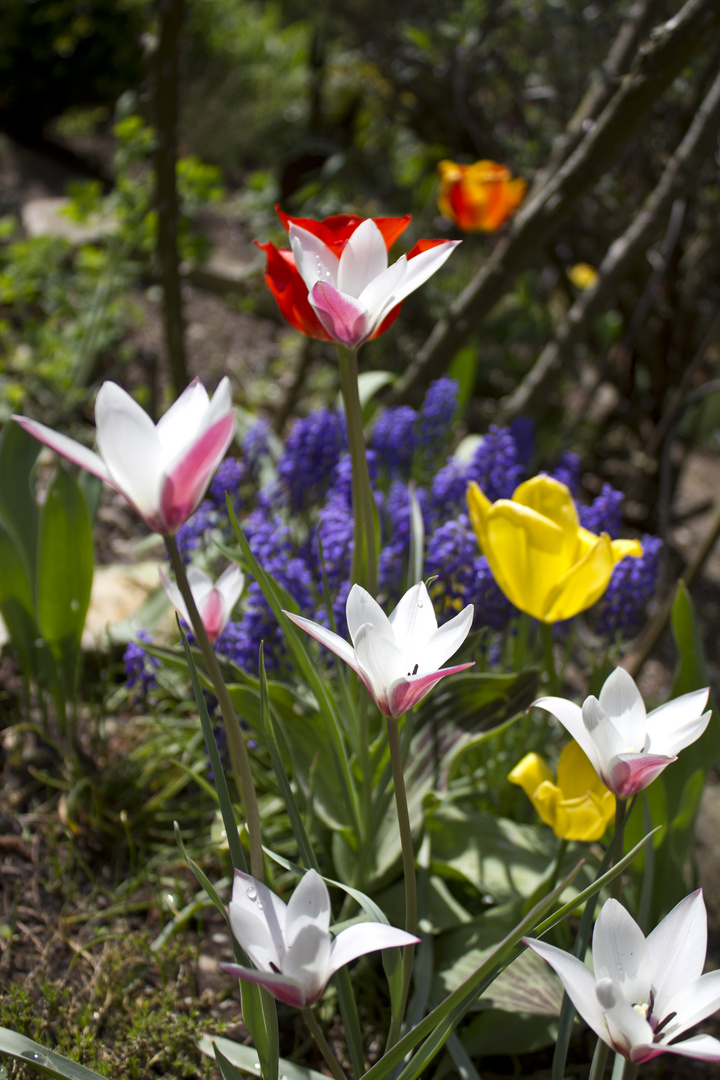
(678, 173)
(659, 60)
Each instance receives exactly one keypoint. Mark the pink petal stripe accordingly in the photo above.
(213, 615)
(341, 315)
(406, 693)
(185, 485)
(280, 986)
(632, 774)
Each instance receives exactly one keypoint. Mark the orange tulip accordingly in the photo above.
(478, 197)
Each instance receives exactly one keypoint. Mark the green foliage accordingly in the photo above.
(111, 1028)
(47, 569)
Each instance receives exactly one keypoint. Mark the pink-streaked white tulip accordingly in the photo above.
(627, 746)
(398, 657)
(162, 469)
(214, 600)
(353, 293)
(290, 944)
(643, 993)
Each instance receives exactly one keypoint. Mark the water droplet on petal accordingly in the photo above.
(251, 893)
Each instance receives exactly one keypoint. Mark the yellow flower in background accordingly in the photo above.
(577, 806)
(583, 275)
(478, 197)
(541, 557)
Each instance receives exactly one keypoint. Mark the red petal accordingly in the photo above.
(335, 231)
(290, 292)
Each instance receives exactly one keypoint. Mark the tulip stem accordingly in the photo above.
(546, 633)
(236, 743)
(408, 862)
(322, 1044)
(620, 808)
(599, 1060)
(364, 561)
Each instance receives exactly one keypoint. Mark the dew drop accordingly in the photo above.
(251, 893)
(257, 1066)
(259, 906)
(4, 1073)
(32, 1055)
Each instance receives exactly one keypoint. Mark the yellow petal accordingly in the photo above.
(580, 819)
(575, 775)
(583, 584)
(527, 554)
(478, 506)
(530, 773)
(621, 548)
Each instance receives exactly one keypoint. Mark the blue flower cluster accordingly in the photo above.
(140, 667)
(300, 528)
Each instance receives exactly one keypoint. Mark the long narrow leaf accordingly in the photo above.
(301, 837)
(272, 593)
(37, 1056)
(237, 855)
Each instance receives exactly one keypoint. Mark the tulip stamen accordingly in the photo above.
(414, 671)
(663, 1023)
(275, 968)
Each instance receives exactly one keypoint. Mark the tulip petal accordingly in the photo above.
(524, 551)
(174, 596)
(366, 937)
(416, 273)
(344, 317)
(284, 989)
(379, 295)
(446, 640)
(700, 1047)
(214, 615)
(579, 983)
(184, 418)
(129, 446)
(413, 621)
(621, 954)
(363, 259)
(380, 664)
(626, 1026)
(678, 946)
(257, 920)
(307, 958)
(671, 727)
(362, 608)
(290, 292)
(314, 259)
(693, 1003)
(74, 451)
(310, 902)
(583, 584)
(633, 772)
(478, 508)
(621, 699)
(405, 693)
(570, 716)
(326, 637)
(189, 476)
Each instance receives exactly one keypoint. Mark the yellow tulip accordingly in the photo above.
(577, 806)
(541, 557)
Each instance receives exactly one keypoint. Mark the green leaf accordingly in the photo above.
(246, 1058)
(64, 572)
(18, 505)
(463, 369)
(16, 604)
(260, 1016)
(237, 855)
(37, 1056)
